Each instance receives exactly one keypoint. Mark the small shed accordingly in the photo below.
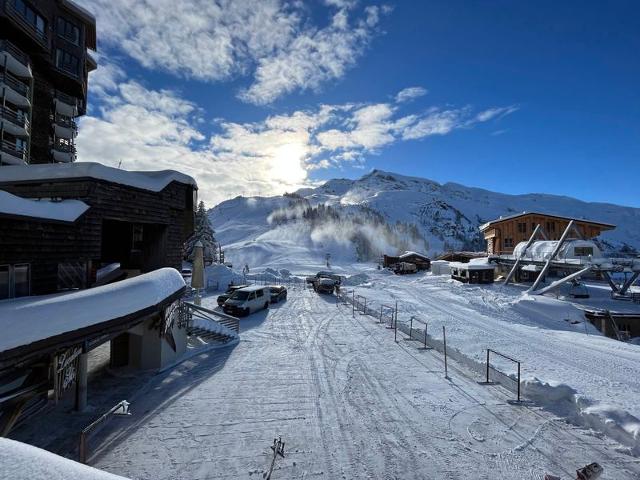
(462, 257)
(440, 267)
(472, 272)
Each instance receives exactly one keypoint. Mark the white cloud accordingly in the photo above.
(410, 93)
(158, 129)
(497, 112)
(273, 41)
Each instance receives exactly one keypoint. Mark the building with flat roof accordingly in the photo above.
(44, 67)
(504, 233)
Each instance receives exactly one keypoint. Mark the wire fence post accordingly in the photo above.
(396, 312)
(488, 365)
(380, 314)
(365, 305)
(411, 327)
(518, 381)
(425, 336)
(444, 341)
(353, 304)
(395, 328)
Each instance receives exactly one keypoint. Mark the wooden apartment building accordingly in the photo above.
(504, 233)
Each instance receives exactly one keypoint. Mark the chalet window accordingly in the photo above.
(551, 227)
(522, 227)
(4, 282)
(583, 251)
(533, 226)
(15, 281)
(31, 17)
(508, 243)
(67, 62)
(68, 31)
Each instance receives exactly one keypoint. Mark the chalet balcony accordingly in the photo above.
(14, 122)
(63, 152)
(10, 154)
(64, 126)
(15, 90)
(66, 104)
(17, 62)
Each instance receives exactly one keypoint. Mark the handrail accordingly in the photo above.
(14, 117)
(229, 320)
(12, 148)
(65, 98)
(14, 83)
(64, 147)
(65, 121)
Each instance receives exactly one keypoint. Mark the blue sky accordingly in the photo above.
(265, 97)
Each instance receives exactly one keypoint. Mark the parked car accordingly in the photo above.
(278, 292)
(247, 300)
(225, 296)
(326, 285)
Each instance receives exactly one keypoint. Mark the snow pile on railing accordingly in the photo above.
(29, 319)
(19, 461)
(64, 211)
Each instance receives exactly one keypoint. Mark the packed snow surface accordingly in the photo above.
(349, 402)
(29, 319)
(19, 461)
(64, 211)
(154, 181)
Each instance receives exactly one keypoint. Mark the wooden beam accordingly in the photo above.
(515, 265)
(545, 269)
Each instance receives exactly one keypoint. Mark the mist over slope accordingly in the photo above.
(383, 212)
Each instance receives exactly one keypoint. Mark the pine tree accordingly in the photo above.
(205, 234)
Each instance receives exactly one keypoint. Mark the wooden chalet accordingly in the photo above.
(422, 262)
(504, 233)
(462, 257)
(102, 216)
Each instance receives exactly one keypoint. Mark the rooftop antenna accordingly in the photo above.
(120, 164)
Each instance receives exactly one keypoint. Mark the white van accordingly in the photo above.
(247, 300)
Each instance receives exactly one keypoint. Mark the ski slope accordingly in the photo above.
(348, 401)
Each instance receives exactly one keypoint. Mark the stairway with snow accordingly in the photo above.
(210, 326)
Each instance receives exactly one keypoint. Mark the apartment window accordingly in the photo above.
(68, 31)
(4, 282)
(508, 243)
(67, 62)
(31, 17)
(522, 227)
(15, 280)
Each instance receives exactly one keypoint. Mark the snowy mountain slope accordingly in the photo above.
(364, 214)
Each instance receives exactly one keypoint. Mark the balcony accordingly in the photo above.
(16, 91)
(10, 154)
(17, 61)
(65, 104)
(35, 26)
(63, 152)
(15, 123)
(64, 126)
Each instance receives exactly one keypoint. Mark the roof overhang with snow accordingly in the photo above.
(491, 223)
(154, 181)
(46, 210)
(34, 325)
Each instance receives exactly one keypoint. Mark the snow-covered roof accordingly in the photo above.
(154, 181)
(472, 266)
(30, 319)
(412, 254)
(64, 211)
(484, 226)
(20, 461)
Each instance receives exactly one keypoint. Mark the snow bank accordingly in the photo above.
(29, 319)
(564, 400)
(64, 211)
(19, 461)
(551, 312)
(154, 181)
(354, 280)
(223, 275)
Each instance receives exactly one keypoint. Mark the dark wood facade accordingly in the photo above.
(420, 261)
(503, 234)
(140, 229)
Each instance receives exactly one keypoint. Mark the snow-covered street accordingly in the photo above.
(348, 401)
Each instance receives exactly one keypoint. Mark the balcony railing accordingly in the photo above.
(65, 121)
(14, 117)
(64, 147)
(15, 84)
(12, 149)
(68, 99)
(15, 52)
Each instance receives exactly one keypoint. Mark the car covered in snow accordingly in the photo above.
(278, 292)
(247, 300)
(225, 296)
(326, 285)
